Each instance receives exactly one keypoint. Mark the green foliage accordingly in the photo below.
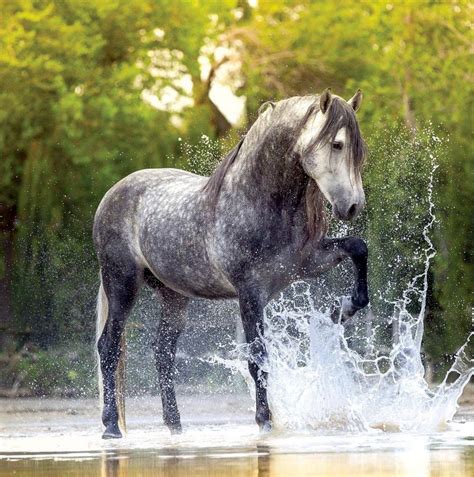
(72, 124)
(397, 177)
(67, 370)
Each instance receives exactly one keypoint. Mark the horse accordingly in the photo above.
(256, 225)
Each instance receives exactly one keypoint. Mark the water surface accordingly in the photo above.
(62, 438)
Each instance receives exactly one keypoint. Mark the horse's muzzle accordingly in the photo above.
(346, 212)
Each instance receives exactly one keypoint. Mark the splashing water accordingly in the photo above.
(317, 381)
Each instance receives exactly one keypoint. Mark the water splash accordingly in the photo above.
(318, 381)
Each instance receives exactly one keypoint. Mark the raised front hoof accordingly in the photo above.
(112, 432)
(342, 310)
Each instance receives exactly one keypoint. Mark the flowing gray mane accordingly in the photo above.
(214, 184)
(283, 114)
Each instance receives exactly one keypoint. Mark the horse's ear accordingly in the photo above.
(265, 106)
(325, 100)
(356, 100)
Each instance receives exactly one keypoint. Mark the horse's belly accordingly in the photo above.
(195, 284)
(189, 274)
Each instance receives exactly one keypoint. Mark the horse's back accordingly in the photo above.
(117, 218)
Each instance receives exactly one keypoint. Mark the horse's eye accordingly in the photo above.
(337, 145)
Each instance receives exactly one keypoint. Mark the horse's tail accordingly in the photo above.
(102, 314)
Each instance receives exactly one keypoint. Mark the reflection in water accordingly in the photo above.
(179, 463)
(259, 461)
(115, 465)
(263, 460)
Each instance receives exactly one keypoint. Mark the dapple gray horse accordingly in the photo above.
(247, 232)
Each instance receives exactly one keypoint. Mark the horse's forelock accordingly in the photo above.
(340, 115)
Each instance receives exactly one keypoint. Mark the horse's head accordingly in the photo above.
(332, 152)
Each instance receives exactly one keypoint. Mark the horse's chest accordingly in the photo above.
(268, 249)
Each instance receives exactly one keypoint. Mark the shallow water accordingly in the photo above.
(62, 438)
(260, 461)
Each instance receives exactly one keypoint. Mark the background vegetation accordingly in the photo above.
(93, 90)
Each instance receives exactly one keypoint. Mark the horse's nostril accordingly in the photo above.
(352, 210)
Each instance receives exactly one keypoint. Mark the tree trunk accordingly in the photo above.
(408, 111)
(7, 228)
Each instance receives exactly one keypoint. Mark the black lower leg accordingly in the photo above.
(165, 351)
(262, 410)
(251, 309)
(109, 347)
(121, 290)
(356, 249)
(171, 325)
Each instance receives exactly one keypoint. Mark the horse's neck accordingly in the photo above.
(268, 170)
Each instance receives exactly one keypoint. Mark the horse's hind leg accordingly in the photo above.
(119, 286)
(172, 323)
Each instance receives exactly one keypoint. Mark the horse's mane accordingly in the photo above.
(214, 183)
(340, 114)
(317, 224)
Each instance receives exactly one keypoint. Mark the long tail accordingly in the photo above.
(102, 314)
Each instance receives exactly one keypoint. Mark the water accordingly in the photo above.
(244, 462)
(62, 438)
(318, 381)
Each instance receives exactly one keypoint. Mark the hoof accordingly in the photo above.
(342, 310)
(175, 428)
(112, 431)
(111, 435)
(265, 427)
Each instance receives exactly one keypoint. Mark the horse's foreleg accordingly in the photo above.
(251, 309)
(172, 323)
(356, 249)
